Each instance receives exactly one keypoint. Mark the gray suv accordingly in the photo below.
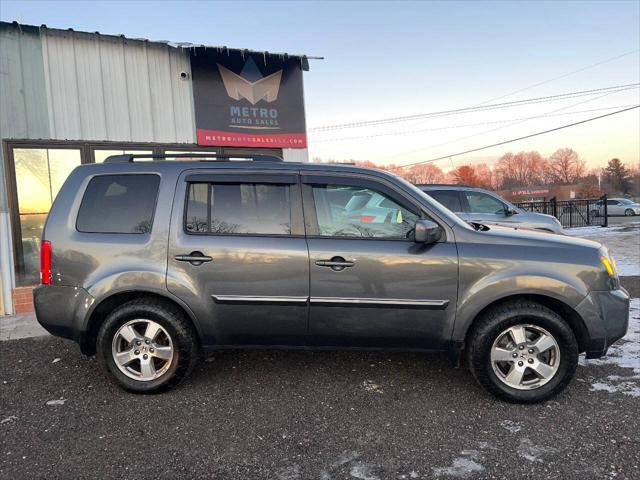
(151, 264)
(482, 206)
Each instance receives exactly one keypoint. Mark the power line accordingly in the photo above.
(573, 72)
(544, 82)
(465, 125)
(405, 118)
(499, 128)
(521, 138)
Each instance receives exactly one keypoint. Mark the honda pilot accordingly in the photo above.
(151, 264)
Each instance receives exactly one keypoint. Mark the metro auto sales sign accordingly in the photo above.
(248, 100)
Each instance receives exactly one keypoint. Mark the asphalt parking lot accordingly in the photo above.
(298, 415)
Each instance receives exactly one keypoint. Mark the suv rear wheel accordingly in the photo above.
(523, 352)
(147, 345)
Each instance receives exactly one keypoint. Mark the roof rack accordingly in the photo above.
(207, 157)
(443, 185)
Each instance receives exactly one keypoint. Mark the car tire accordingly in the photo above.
(150, 363)
(485, 351)
(629, 213)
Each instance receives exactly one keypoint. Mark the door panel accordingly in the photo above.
(396, 294)
(255, 288)
(381, 290)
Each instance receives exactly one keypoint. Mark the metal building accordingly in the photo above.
(69, 97)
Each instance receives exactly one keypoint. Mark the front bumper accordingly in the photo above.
(606, 316)
(62, 311)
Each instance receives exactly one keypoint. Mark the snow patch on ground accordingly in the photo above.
(621, 240)
(363, 471)
(624, 353)
(532, 452)
(465, 466)
(597, 231)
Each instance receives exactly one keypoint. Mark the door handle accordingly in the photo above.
(195, 258)
(337, 264)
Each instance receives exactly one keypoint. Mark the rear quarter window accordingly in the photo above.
(119, 204)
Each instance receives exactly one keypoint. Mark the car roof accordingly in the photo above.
(447, 186)
(177, 166)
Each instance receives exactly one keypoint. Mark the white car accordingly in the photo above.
(617, 206)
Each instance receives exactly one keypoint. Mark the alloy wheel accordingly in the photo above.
(142, 349)
(525, 357)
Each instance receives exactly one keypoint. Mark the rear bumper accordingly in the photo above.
(62, 310)
(606, 316)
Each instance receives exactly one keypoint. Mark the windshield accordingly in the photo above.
(625, 201)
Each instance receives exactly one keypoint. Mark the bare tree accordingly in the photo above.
(521, 169)
(565, 166)
(425, 173)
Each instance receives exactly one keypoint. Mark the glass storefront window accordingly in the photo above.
(40, 173)
(100, 155)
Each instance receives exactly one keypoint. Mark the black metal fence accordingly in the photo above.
(572, 213)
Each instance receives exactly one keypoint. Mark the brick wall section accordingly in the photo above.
(23, 299)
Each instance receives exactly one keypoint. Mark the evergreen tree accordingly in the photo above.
(617, 175)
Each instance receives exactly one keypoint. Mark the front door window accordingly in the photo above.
(483, 203)
(351, 211)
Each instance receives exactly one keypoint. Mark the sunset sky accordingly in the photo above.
(394, 59)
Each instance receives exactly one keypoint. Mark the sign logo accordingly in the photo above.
(246, 99)
(241, 86)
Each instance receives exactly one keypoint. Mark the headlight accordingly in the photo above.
(609, 265)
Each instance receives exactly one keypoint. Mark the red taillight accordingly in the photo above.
(367, 218)
(45, 262)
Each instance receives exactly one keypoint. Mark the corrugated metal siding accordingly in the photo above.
(110, 88)
(295, 154)
(23, 103)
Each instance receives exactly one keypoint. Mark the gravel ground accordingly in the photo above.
(309, 415)
(291, 415)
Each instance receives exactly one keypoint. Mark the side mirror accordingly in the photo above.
(508, 211)
(427, 232)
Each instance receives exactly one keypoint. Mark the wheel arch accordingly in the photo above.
(102, 308)
(566, 312)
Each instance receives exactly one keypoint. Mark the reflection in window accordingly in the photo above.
(40, 173)
(247, 208)
(107, 196)
(345, 211)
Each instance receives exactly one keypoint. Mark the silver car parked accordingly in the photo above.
(617, 206)
(482, 206)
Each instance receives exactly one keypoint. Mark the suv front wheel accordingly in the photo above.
(522, 352)
(147, 345)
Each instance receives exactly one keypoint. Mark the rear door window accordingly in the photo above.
(119, 204)
(448, 198)
(238, 208)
